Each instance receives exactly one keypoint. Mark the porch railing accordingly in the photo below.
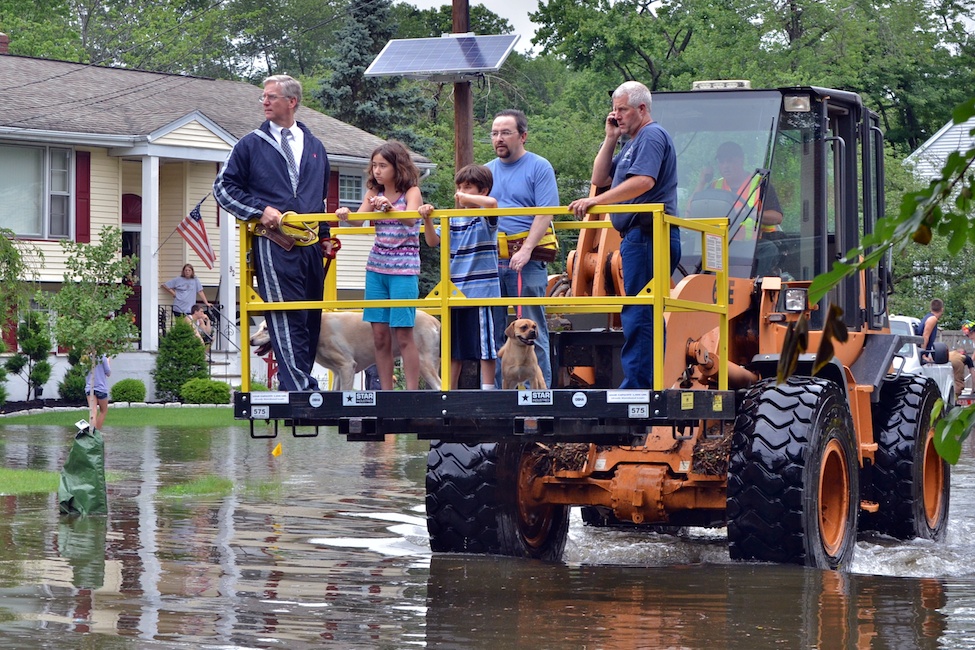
(224, 339)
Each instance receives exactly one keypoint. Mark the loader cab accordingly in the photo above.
(804, 188)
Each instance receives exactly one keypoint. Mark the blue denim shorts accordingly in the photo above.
(380, 286)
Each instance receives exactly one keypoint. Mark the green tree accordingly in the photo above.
(72, 387)
(385, 106)
(412, 22)
(92, 294)
(918, 64)
(19, 266)
(41, 28)
(181, 357)
(31, 362)
(920, 273)
(177, 36)
(911, 60)
(285, 37)
(629, 37)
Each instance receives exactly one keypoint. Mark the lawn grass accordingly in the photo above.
(205, 485)
(212, 485)
(27, 481)
(14, 482)
(265, 490)
(33, 481)
(119, 418)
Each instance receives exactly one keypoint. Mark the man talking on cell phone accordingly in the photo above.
(644, 171)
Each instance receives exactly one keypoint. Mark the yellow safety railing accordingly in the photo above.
(714, 250)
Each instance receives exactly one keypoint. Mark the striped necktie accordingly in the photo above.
(286, 136)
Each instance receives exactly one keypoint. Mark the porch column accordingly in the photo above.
(229, 277)
(148, 261)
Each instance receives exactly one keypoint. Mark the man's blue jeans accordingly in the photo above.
(534, 283)
(636, 357)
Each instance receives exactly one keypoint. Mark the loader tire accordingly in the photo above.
(911, 482)
(478, 501)
(793, 476)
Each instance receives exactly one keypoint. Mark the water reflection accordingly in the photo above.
(473, 601)
(81, 542)
(325, 546)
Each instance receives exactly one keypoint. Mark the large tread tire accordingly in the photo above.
(793, 476)
(478, 502)
(911, 482)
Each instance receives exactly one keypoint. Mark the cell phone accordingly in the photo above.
(613, 121)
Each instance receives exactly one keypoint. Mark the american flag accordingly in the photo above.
(194, 231)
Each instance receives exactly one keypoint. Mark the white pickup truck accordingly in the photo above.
(908, 359)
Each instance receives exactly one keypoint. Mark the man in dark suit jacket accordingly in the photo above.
(281, 167)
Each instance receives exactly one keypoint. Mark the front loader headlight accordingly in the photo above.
(797, 104)
(793, 300)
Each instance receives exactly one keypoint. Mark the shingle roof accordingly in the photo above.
(69, 97)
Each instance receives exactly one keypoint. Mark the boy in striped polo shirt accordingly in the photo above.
(473, 270)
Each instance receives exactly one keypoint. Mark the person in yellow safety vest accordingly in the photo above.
(734, 178)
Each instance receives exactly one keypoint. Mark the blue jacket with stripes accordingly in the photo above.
(256, 176)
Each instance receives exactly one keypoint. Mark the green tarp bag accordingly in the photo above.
(82, 487)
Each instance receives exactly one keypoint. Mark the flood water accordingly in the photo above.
(325, 546)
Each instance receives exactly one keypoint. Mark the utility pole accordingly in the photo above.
(463, 97)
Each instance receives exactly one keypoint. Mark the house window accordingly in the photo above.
(350, 190)
(36, 187)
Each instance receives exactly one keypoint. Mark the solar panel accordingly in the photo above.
(452, 56)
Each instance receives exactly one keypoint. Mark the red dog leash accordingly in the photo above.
(518, 306)
(336, 247)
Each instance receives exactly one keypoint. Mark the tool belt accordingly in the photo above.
(289, 235)
(545, 250)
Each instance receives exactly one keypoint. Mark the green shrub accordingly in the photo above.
(72, 387)
(128, 390)
(205, 391)
(34, 338)
(74, 357)
(256, 385)
(181, 357)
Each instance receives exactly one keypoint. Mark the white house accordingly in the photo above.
(83, 147)
(930, 157)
